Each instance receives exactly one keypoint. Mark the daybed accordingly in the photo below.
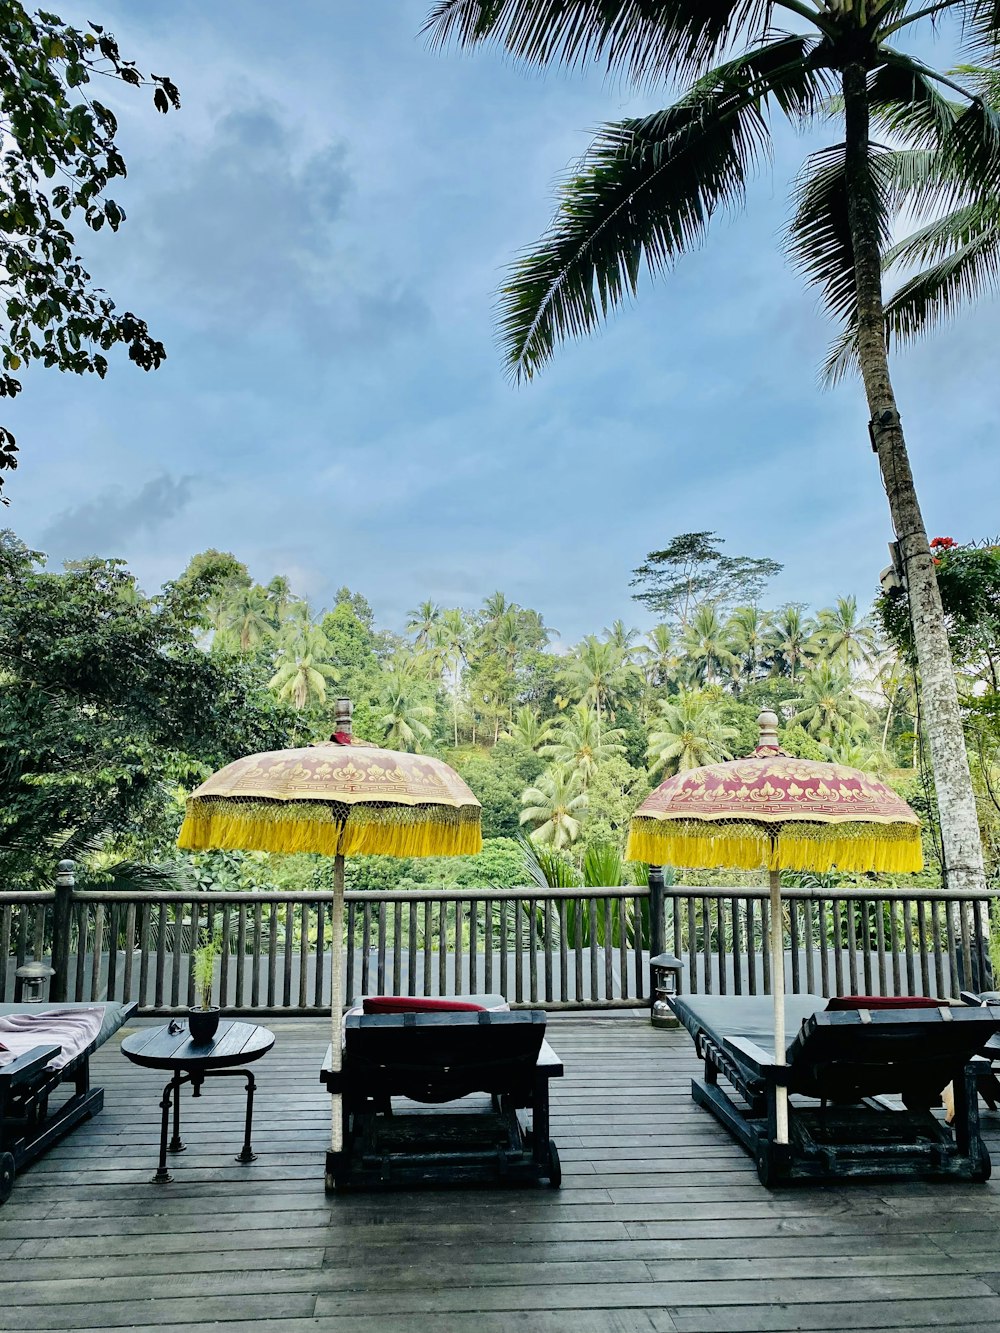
(33, 1066)
(437, 1056)
(845, 1059)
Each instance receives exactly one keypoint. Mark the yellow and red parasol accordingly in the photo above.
(774, 812)
(342, 797)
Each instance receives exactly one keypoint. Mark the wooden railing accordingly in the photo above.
(552, 948)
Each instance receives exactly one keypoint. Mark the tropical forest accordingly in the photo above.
(117, 701)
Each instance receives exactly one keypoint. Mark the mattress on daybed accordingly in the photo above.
(722, 1017)
(115, 1016)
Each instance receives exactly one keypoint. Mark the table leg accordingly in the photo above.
(175, 1142)
(248, 1154)
(162, 1175)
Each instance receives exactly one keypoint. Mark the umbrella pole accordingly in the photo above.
(336, 1004)
(777, 946)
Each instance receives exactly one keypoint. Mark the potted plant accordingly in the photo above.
(203, 1019)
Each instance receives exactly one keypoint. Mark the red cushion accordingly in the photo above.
(415, 1004)
(884, 1002)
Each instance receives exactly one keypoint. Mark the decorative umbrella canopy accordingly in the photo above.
(341, 798)
(776, 813)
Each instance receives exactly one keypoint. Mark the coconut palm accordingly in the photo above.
(304, 668)
(650, 185)
(246, 617)
(451, 639)
(579, 743)
(794, 639)
(706, 644)
(423, 623)
(828, 706)
(688, 732)
(622, 637)
(597, 672)
(659, 656)
(555, 807)
(403, 715)
(280, 598)
(855, 749)
(528, 729)
(750, 632)
(846, 638)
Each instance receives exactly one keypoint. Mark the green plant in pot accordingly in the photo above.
(203, 1020)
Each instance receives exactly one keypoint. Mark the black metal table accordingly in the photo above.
(171, 1047)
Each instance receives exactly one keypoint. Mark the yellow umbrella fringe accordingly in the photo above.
(890, 849)
(310, 827)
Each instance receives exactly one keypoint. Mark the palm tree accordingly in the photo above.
(846, 638)
(424, 621)
(279, 597)
(579, 743)
(855, 749)
(403, 716)
(750, 632)
(555, 807)
(622, 637)
(828, 706)
(597, 672)
(493, 611)
(651, 184)
(659, 657)
(688, 733)
(795, 638)
(706, 643)
(304, 667)
(451, 638)
(246, 616)
(528, 729)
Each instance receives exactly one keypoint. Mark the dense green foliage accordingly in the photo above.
(108, 707)
(114, 702)
(60, 155)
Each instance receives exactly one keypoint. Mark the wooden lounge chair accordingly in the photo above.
(436, 1057)
(845, 1060)
(28, 1125)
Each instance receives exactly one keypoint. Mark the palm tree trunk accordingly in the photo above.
(963, 849)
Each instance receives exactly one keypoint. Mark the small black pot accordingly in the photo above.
(203, 1024)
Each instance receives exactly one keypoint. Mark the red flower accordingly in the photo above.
(943, 544)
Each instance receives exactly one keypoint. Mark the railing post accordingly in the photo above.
(61, 919)
(657, 912)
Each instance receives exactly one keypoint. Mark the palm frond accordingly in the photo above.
(981, 28)
(640, 39)
(972, 148)
(645, 193)
(907, 101)
(934, 295)
(819, 235)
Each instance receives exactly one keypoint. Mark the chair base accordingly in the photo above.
(28, 1129)
(434, 1148)
(868, 1141)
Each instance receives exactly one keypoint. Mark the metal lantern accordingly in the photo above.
(32, 979)
(665, 981)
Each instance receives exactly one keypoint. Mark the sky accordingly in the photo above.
(318, 236)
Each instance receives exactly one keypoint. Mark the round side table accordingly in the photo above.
(170, 1047)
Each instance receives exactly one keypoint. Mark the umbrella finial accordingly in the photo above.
(768, 742)
(342, 721)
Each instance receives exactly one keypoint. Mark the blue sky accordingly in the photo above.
(318, 235)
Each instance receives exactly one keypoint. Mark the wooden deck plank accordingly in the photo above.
(661, 1225)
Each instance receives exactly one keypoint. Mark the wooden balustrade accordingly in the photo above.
(550, 948)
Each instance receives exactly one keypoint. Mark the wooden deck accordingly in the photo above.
(661, 1225)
